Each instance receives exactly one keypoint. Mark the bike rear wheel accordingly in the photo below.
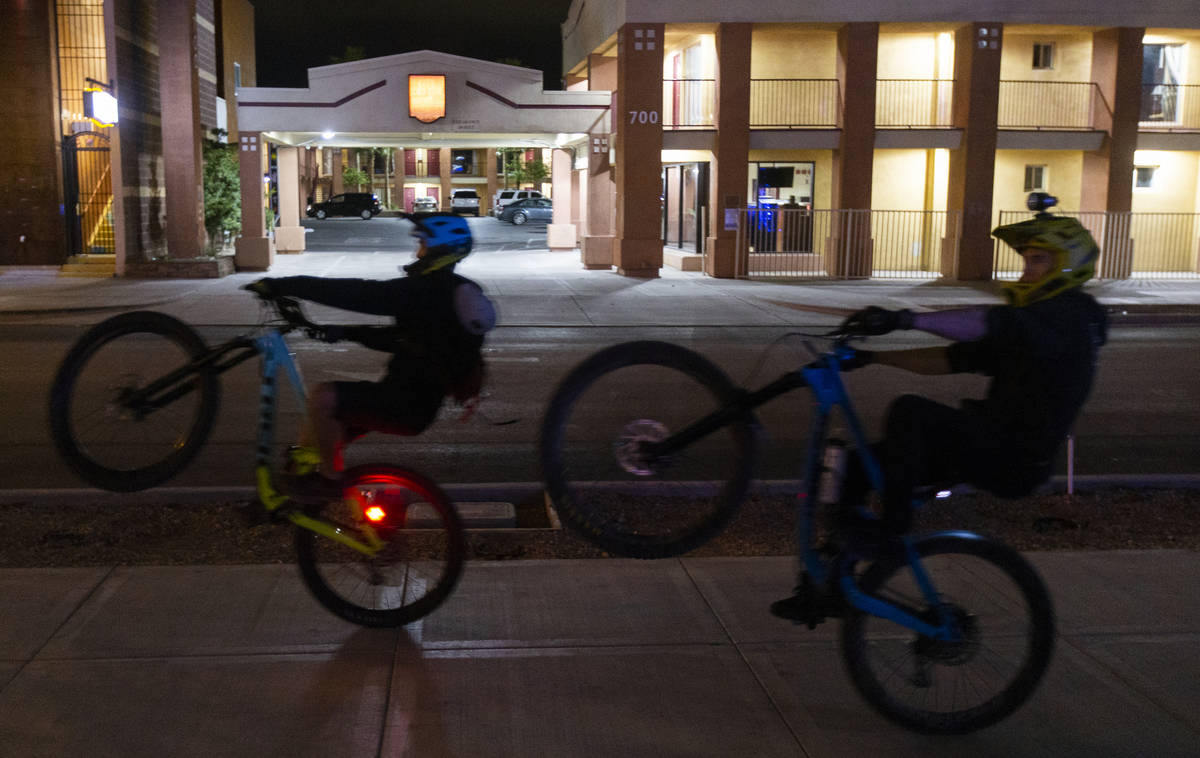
(593, 443)
(418, 566)
(1006, 624)
(101, 428)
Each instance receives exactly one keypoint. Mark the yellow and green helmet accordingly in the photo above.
(1074, 250)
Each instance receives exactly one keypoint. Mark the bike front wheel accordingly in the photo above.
(598, 460)
(1004, 636)
(106, 422)
(418, 565)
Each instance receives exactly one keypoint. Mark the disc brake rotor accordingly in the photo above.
(630, 447)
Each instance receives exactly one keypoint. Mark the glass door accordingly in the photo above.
(685, 202)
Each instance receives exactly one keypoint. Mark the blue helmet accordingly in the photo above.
(447, 240)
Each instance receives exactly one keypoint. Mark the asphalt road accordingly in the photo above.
(1142, 417)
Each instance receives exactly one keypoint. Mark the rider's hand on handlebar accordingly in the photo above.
(261, 287)
(874, 321)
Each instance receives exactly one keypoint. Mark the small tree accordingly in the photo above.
(536, 172)
(513, 168)
(354, 176)
(222, 190)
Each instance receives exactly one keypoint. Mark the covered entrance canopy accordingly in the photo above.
(421, 99)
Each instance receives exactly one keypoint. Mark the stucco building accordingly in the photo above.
(905, 132)
(83, 190)
(862, 139)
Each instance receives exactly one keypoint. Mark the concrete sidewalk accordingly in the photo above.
(543, 288)
(553, 658)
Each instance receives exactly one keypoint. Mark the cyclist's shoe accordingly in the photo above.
(299, 460)
(807, 608)
(808, 605)
(311, 487)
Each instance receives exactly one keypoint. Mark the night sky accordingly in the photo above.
(293, 35)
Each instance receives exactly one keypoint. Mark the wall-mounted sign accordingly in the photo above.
(100, 106)
(426, 97)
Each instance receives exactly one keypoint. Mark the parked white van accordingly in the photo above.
(504, 197)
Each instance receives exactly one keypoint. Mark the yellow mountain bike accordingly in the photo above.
(135, 399)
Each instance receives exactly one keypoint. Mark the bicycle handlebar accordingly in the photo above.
(376, 337)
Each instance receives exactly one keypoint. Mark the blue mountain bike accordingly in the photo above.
(648, 449)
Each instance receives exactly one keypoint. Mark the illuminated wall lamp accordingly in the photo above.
(99, 104)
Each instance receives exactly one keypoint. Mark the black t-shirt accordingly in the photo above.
(435, 349)
(1042, 359)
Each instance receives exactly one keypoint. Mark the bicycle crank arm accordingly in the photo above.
(338, 534)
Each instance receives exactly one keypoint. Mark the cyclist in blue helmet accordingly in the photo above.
(436, 350)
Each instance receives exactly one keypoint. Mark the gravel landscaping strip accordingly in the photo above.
(38, 535)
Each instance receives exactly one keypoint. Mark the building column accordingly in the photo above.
(396, 194)
(973, 165)
(493, 183)
(1108, 172)
(597, 248)
(254, 250)
(637, 127)
(401, 178)
(338, 185)
(183, 163)
(116, 167)
(289, 236)
(444, 174)
(849, 250)
(727, 184)
(560, 234)
(579, 202)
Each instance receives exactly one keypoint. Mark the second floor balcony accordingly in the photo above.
(928, 104)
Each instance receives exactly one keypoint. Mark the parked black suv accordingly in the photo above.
(361, 204)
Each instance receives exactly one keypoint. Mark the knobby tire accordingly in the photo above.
(78, 413)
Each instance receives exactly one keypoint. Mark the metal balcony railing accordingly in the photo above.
(688, 103)
(1049, 105)
(1140, 245)
(914, 103)
(794, 103)
(1170, 107)
(777, 242)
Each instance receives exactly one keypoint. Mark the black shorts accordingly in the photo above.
(392, 407)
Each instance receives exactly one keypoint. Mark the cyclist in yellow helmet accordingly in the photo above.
(1040, 351)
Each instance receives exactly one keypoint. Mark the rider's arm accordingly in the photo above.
(380, 298)
(960, 324)
(921, 360)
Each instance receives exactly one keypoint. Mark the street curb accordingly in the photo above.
(517, 491)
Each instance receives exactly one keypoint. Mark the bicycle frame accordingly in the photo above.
(824, 378)
(276, 356)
